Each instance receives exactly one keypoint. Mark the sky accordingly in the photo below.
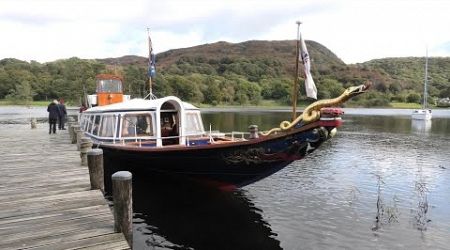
(355, 30)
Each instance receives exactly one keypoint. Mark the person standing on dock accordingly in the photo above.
(53, 114)
(61, 114)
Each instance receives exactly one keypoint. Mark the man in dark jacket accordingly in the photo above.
(62, 114)
(53, 113)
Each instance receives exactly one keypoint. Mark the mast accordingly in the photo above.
(295, 87)
(425, 95)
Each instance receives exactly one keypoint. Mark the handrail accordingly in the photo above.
(187, 137)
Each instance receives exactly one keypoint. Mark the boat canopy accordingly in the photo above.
(143, 104)
(140, 119)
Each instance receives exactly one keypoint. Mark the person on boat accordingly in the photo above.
(83, 108)
(53, 114)
(62, 113)
(166, 127)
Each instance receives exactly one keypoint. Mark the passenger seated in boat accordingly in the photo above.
(166, 127)
(128, 127)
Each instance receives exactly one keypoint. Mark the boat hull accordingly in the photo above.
(421, 114)
(224, 165)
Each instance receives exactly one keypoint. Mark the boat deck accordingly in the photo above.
(45, 196)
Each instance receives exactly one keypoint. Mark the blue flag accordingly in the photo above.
(151, 59)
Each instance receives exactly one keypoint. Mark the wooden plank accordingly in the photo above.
(51, 216)
(50, 204)
(106, 241)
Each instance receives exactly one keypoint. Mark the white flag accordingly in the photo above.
(311, 90)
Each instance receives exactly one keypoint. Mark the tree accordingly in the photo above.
(413, 97)
(22, 94)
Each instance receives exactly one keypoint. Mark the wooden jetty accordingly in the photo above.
(45, 196)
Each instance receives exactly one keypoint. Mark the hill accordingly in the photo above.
(282, 52)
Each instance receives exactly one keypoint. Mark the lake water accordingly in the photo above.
(382, 183)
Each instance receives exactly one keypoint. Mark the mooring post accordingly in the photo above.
(95, 165)
(123, 204)
(80, 134)
(70, 129)
(72, 132)
(33, 123)
(253, 129)
(85, 146)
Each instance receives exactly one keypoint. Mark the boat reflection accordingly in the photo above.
(421, 126)
(177, 214)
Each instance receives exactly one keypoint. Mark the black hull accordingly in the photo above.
(227, 165)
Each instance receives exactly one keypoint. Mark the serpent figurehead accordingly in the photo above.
(312, 112)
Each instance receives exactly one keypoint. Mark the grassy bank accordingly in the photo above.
(15, 103)
(403, 105)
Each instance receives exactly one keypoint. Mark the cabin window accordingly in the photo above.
(109, 86)
(107, 126)
(137, 125)
(193, 123)
(90, 123)
(83, 122)
(96, 125)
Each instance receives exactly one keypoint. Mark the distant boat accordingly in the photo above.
(424, 113)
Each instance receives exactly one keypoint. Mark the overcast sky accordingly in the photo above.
(355, 30)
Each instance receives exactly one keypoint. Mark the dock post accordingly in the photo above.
(73, 128)
(73, 135)
(123, 204)
(80, 134)
(95, 165)
(33, 123)
(85, 146)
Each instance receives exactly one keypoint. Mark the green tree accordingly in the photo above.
(413, 97)
(21, 94)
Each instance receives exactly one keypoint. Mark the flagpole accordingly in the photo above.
(295, 88)
(149, 56)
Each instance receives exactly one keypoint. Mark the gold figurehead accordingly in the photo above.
(312, 112)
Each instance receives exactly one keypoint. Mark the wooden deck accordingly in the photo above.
(45, 196)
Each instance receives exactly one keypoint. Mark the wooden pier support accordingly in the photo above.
(85, 147)
(33, 123)
(80, 134)
(95, 165)
(72, 132)
(123, 204)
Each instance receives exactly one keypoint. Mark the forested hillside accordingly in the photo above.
(226, 73)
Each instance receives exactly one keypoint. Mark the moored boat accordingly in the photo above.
(424, 113)
(167, 135)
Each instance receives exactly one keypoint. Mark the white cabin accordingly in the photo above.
(166, 121)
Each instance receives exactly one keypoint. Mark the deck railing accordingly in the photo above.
(213, 137)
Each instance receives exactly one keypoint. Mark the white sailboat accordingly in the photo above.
(424, 113)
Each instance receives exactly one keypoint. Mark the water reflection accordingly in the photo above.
(421, 126)
(386, 213)
(421, 189)
(176, 214)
